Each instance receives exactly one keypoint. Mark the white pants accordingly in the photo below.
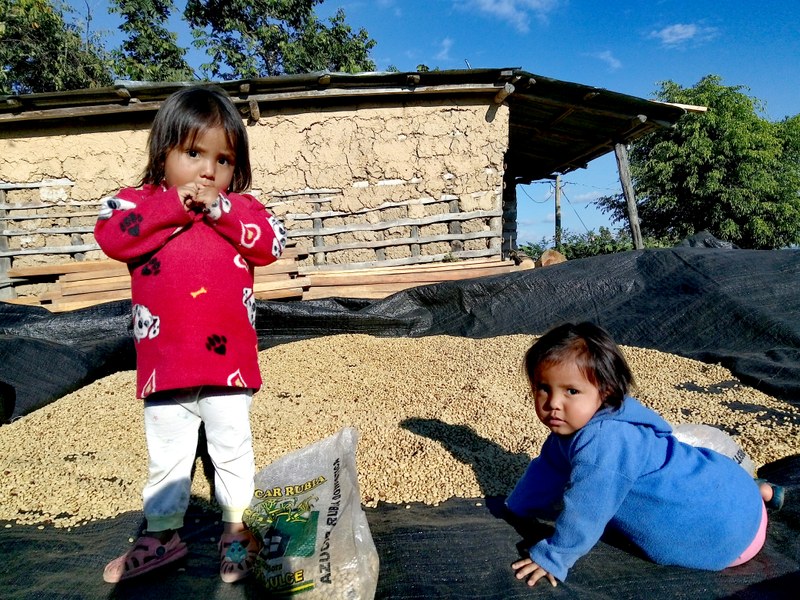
(171, 428)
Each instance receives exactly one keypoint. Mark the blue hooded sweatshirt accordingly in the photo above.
(681, 505)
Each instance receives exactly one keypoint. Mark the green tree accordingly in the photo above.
(582, 245)
(40, 52)
(150, 52)
(318, 48)
(727, 171)
(260, 38)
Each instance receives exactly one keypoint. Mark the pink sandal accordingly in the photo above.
(145, 556)
(238, 553)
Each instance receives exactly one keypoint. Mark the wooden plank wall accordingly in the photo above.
(82, 284)
(6, 285)
(70, 282)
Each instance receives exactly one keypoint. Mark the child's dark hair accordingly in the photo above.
(596, 354)
(182, 117)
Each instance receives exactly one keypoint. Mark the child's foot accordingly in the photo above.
(773, 495)
(147, 554)
(238, 553)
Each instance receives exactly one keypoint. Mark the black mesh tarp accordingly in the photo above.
(740, 308)
(459, 549)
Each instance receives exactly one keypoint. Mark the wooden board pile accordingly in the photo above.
(81, 284)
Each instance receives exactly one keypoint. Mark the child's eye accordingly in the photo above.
(224, 161)
(572, 391)
(192, 153)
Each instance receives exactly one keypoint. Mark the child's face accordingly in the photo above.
(565, 400)
(208, 162)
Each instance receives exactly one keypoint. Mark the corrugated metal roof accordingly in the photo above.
(556, 126)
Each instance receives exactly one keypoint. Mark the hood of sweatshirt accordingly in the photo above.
(632, 411)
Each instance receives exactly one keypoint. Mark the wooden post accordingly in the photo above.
(414, 234)
(380, 252)
(621, 153)
(454, 227)
(6, 287)
(557, 238)
(319, 257)
(508, 222)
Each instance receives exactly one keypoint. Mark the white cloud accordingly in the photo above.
(681, 34)
(390, 5)
(516, 12)
(531, 231)
(608, 57)
(585, 198)
(444, 49)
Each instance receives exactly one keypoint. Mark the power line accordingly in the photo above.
(550, 195)
(575, 211)
(615, 190)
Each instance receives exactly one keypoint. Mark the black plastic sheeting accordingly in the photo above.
(739, 308)
(461, 549)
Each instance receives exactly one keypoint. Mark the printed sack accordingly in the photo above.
(307, 512)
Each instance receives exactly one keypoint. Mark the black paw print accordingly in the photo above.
(130, 224)
(217, 343)
(153, 267)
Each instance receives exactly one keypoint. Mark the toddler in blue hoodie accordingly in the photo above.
(613, 462)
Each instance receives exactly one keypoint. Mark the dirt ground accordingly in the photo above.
(438, 417)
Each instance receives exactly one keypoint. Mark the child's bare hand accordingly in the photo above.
(198, 198)
(527, 568)
(206, 197)
(187, 194)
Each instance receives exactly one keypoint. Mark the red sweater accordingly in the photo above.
(191, 284)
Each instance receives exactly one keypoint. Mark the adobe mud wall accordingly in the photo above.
(355, 185)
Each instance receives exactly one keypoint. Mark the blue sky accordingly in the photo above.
(624, 46)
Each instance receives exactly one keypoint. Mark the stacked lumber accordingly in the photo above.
(82, 284)
(379, 282)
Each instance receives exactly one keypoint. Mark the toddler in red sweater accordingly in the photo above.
(191, 239)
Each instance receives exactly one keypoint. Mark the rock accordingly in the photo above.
(549, 257)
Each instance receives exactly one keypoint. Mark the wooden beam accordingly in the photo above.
(443, 218)
(421, 277)
(627, 189)
(406, 241)
(68, 215)
(271, 286)
(79, 248)
(47, 230)
(104, 284)
(61, 268)
(403, 261)
(363, 211)
(476, 263)
(282, 294)
(365, 292)
(317, 95)
(505, 92)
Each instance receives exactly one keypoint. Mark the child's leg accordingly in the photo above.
(757, 543)
(171, 429)
(773, 495)
(226, 414)
(766, 491)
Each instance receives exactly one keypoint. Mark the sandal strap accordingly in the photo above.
(236, 562)
(148, 553)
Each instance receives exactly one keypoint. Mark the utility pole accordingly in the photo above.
(558, 213)
(623, 165)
